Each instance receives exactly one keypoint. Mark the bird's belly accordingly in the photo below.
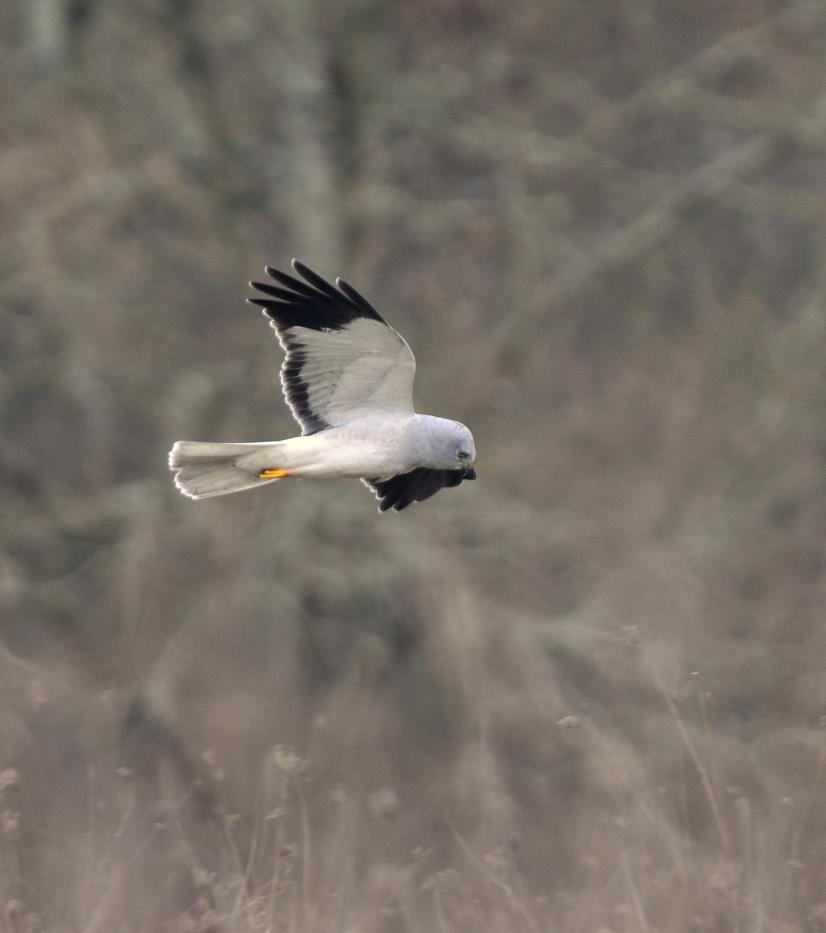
(374, 450)
(350, 451)
(364, 460)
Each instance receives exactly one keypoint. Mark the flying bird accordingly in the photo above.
(347, 377)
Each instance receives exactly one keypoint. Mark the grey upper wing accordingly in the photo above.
(342, 359)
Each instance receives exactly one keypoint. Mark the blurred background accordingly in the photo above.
(585, 693)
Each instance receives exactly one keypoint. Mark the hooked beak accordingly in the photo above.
(469, 473)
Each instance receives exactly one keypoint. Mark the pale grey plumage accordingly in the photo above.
(348, 379)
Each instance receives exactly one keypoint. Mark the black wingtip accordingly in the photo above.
(275, 291)
(356, 297)
(308, 300)
(315, 279)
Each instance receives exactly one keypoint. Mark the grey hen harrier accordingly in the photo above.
(348, 379)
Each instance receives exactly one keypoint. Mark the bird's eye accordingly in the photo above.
(463, 454)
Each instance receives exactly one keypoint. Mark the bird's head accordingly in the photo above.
(455, 448)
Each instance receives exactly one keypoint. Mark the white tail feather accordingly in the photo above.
(203, 470)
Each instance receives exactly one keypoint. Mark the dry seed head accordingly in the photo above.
(568, 722)
(210, 759)
(497, 861)
(9, 780)
(447, 878)
(287, 760)
(202, 878)
(11, 825)
(384, 803)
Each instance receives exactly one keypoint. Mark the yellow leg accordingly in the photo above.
(271, 474)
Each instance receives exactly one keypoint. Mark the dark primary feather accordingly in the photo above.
(355, 296)
(406, 488)
(314, 304)
(317, 305)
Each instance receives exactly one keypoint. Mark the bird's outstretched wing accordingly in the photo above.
(343, 359)
(406, 488)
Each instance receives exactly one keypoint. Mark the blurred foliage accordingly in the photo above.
(583, 693)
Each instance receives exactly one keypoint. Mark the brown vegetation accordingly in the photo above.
(585, 693)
